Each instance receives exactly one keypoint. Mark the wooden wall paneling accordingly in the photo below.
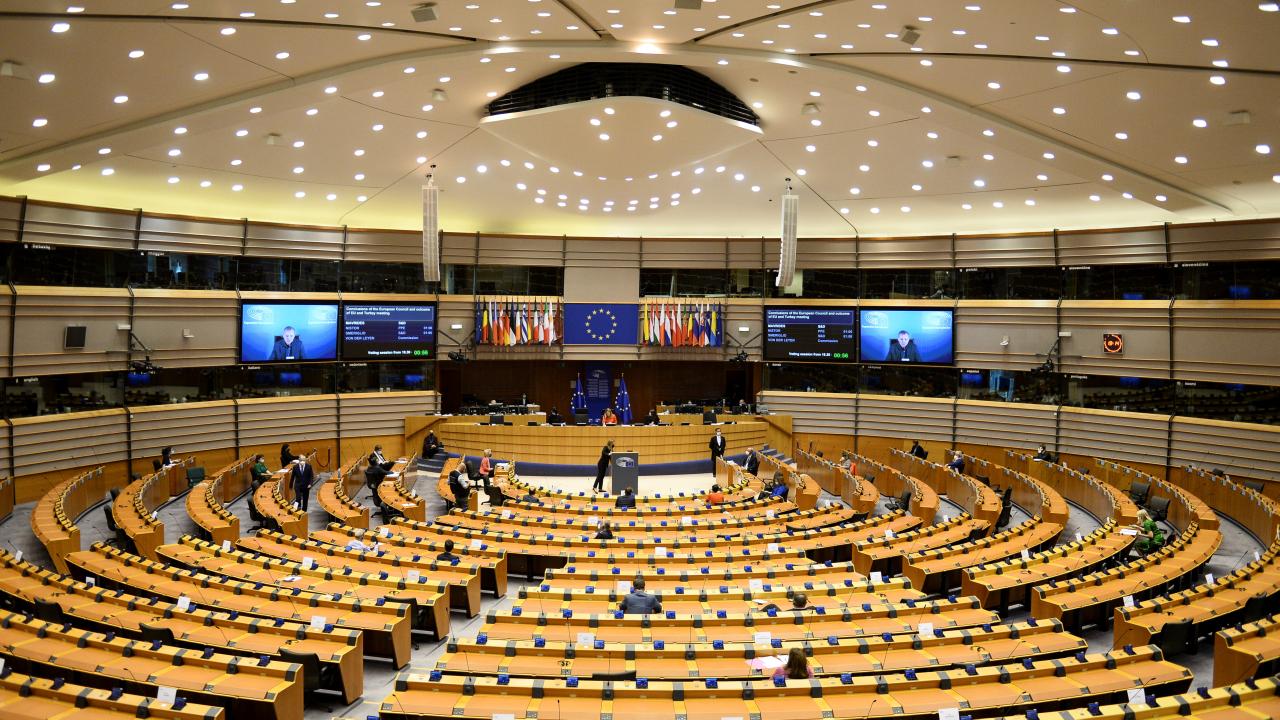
(390, 246)
(908, 418)
(822, 253)
(904, 253)
(272, 421)
(1013, 425)
(536, 251)
(682, 253)
(1249, 240)
(602, 271)
(5, 431)
(830, 444)
(1129, 245)
(980, 325)
(746, 313)
(454, 310)
(1239, 448)
(381, 414)
(1119, 436)
(44, 312)
(162, 318)
(293, 241)
(1227, 341)
(10, 217)
(172, 233)
(189, 428)
(53, 224)
(597, 253)
(1143, 323)
(824, 413)
(1021, 250)
(752, 253)
(457, 248)
(6, 307)
(49, 445)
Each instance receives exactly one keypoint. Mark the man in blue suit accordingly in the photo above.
(288, 346)
(302, 476)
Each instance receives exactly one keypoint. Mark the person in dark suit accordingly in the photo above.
(166, 456)
(652, 417)
(717, 445)
(554, 417)
(373, 477)
(458, 488)
(604, 532)
(286, 457)
(430, 445)
(530, 498)
(957, 462)
(376, 458)
(903, 349)
(1043, 454)
(288, 346)
(602, 466)
(753, 461)
(302, 476)
(447, 555)
(627, 500)
(639, 602)
(918, 450)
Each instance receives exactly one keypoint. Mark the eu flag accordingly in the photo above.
(623, 403)
(601, 324)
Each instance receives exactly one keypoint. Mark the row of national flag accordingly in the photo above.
(518, 322)
(680, 324)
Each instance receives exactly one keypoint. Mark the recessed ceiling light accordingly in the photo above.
(135, 54)
(299, 170)
(377, 127)
(1209, 42)
(104, 151)
(926, 163)
(997, 204)
(810, 148)
(1042, 177)
(979, 183)
(988, 156)
(330, 90)
(864, 168)
(43, 167)
(1133, 95)
(300, 194)
(228, 31)
(989, 133)
(60, 27)
(39, 122)
(108, 171)
(917, 187)
(1122, 136)
(174, 152)
(1059, 111)
(236, 162)
(1200, 123)
(174, 180)
(1217, 80)
(362, 37)
(1110, 31)
(46, 78)
(255, 110)
(282, 55)
(1047, 156)
(1161, 198)
(993, 85)
(421, 134)
(241, 132)
(1181, 159)
(359, 177)
(657, 138)
(873, 143)
(1108, 177)
(1262, 149)
(1064, 68)
(120, 99)
(1269, 7)
(875, 211)
(201, 76)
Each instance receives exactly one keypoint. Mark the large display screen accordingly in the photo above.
(388, 331)
(906, 337)
(809, 334)
(288, 332)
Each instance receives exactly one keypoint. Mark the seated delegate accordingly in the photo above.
(639, 602)
(627, 500)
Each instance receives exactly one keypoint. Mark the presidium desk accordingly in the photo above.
(580, 444)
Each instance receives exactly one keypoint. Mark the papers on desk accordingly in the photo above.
(767, 662)
(1128, 531)
(877, 577)
(925, 629)
(413, 576)
(318, 622)
(1128, 601)
(948, 713)
(226, 546)
(755, 585)
(184, 603)
(474, 544)
(393, 474)
(586, 639)
(167, 695)
(290, 578)
(762, 638)
(1137, 695)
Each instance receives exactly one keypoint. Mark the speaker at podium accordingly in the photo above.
(624, 471)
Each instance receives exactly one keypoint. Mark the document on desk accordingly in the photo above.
(1128, 531)
(767, 662)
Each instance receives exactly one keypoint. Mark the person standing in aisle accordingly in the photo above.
(602, 466)
(717, 446)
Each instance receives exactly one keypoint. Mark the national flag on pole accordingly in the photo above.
(623, 403)
(579, 401)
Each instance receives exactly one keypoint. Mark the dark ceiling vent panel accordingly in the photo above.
(594, 81)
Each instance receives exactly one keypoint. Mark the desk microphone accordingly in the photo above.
(1016, 648)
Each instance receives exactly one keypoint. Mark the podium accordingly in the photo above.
(624, 470)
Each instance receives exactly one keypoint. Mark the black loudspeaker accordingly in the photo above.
(74, 337)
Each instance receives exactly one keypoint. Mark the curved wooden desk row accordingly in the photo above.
(706, 578)
(1044, 685)
(336, 494)
(861, 496)
(1258, 513)
(338, 651)
(397, 493)
(275, 502)
(429, 599)
(386, 626)
(1246, 651)
(923, 501)
(53, 518)
(205, 502)
(756, 595)
(7, 497)
(943, 569)
(884, 554)
(462, 580)
(492, 565)
(246, 688)
(979, 500)
(580, 444)
(804, 490)
(737, 485)
(953, 648)
(36, 698)
(135, 508)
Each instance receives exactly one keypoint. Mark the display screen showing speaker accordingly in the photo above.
(890, 336)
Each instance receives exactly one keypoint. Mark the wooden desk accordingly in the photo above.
(36, 698)
(580, 444)
(861, 496)
(397, 492)
(492, 565)
(386, 626)
(134, 511)
(205, 504)
(53, 518)
(335, 495)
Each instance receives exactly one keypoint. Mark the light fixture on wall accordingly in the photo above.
(187, 334)
(455, 326)
(744, 328)
(1004, 341)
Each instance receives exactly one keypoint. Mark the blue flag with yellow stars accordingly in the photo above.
(601, 324)
(623, 403)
